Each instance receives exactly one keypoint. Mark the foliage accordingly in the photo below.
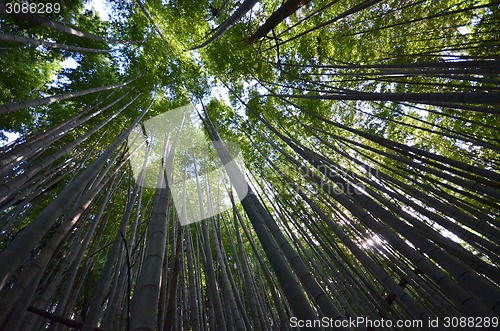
(369, 133)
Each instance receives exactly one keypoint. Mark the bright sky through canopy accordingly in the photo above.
(101, 7)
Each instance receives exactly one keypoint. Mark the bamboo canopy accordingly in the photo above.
(225, 165)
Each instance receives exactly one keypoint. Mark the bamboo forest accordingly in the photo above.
(249, 165)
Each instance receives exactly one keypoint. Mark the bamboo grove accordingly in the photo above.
(370, 135)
